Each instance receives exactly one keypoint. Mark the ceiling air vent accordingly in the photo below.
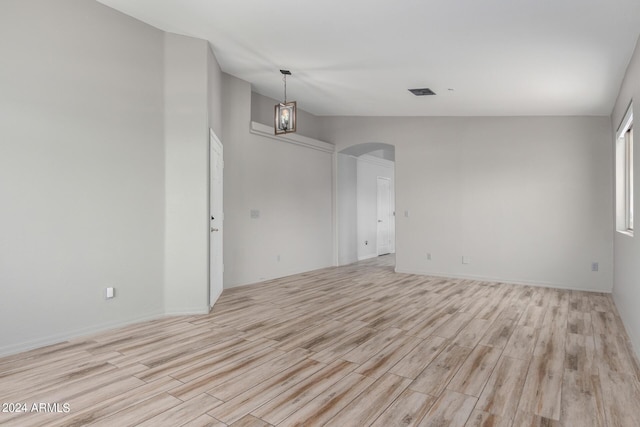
(422, 92)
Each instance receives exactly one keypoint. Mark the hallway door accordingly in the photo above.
(384, 216)
(216, 266)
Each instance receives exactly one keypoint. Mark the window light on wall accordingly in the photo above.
(624, 174)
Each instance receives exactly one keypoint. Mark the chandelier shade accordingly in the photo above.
(284, 117)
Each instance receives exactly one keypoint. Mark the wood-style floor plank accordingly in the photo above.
(357, 345)
(386, 358)
(471, 334)
(140, 412)
(226, 387)
(485, 419)
(621, 396)
(475, 371)
(365, 408)
(344, 345)
(372, 346)
(244, 403)
(407, 410)
(204, 421)
(417, 359)
(542, 389)
(435, 378)
(186, 411)
(582, 402)
(522, 342)
(451, 409)
(285, 404)
(250, 421)
(329, 403)
(504, 388)
(526, 419)
(580, 353)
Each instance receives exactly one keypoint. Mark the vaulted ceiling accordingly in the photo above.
(359, 57)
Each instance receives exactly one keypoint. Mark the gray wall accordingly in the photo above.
(81, 170)
(347, 215)
(292, 188)
(104, 152)
(626, 291)
(214, 86)
(186, 127)
(528, 199)
(104, 164)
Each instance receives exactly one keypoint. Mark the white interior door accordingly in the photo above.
(216, 266)
(384, 216)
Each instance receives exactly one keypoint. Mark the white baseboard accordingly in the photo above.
(362, 258)
(74, 334)
(503, 280)
(347, 261)
(634, 340)
(186, 311)
(275, 277)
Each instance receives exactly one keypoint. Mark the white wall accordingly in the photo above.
(528, 199)
(89, 98)
(214, 85)
(347, 215)
(291, 186)
(369, 168)
(626, 291)
(186, 127)
(104, 170)
(81, 170)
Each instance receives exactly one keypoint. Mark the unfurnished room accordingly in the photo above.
(319, 213)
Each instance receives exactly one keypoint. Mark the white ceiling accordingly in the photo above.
(359, 57)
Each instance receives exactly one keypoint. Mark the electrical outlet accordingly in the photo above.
(109, 293)
(466, 260)
(429, 257)
(366, 242)
(594, 266)
(278, 257)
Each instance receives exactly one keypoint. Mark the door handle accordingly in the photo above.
(214, 229)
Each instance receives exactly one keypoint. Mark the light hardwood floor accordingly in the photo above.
(351, 346)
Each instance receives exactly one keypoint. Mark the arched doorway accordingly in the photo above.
(365, 201)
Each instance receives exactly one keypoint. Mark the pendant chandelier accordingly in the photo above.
(285, 112)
